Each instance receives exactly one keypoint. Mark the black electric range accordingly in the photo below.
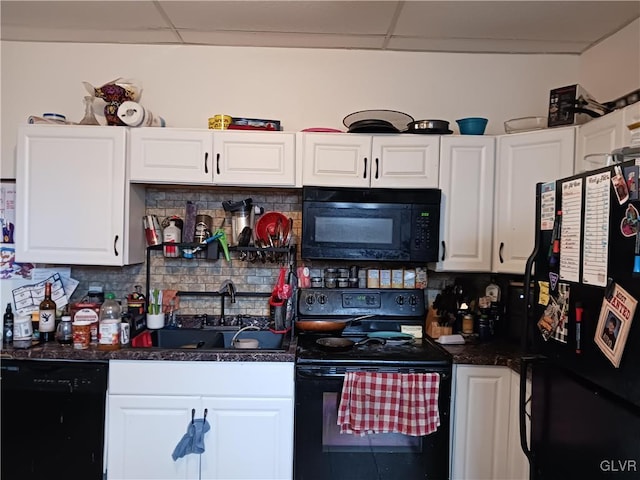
(321, 450)
(385, 310)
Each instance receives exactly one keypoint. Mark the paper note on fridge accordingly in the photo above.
(595, 248)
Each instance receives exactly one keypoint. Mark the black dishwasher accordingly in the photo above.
(53, 414)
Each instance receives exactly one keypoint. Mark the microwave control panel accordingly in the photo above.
(425, 232)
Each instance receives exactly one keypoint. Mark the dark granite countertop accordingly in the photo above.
(494, 352)
(53, 350)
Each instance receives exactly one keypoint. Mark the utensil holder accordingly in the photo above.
(155, 321)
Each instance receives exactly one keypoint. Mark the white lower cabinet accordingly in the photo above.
(485, 426)
(249, 409)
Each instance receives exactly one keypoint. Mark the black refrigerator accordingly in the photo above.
(582, 334)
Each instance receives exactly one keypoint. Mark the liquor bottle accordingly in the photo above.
(47, 309)
(7, 330)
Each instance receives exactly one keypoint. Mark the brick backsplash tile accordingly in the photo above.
(201, 275)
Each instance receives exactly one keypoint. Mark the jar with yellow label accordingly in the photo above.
(467, 324)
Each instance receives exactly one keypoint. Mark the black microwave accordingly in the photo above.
(375, 224)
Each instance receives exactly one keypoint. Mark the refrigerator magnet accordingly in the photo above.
(620, 185)
(630, 224)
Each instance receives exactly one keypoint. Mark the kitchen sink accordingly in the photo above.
(212, 339)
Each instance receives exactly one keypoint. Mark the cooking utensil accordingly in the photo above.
(341, 344)
(429, 127)
(326, 325)
(372, 126)
(266, 225)
(397, 119)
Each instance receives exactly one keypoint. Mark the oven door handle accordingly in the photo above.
(312, 373)
(316, 374)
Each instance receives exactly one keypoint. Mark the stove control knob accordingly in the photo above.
(310, 300)
(413, 300)
(322, 299)
(400, 300)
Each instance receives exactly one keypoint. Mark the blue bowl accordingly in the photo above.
(472, 125)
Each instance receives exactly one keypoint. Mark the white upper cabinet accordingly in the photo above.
(598, 137)
(254, 158)
(74, 205)
(205, 157)
(362, 160)
(523, 160)
(171, 156)
(467, 168)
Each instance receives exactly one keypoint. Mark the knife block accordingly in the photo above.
(434, 330)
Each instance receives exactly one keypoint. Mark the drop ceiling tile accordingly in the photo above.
(116, 15)
(515, 20)
(342, 17)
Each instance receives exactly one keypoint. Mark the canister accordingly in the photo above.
(467, 324)
(86, 311)
(22, 331)
(152, 231)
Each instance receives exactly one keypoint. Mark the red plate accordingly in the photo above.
(267, 223)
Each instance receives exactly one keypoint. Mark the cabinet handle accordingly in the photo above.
(206, 162)
(377, 167)
(115, 243)
(500, 252)
(364, 175)
(444, 249)
(218, 163)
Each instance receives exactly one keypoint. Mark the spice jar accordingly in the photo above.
(467, 324)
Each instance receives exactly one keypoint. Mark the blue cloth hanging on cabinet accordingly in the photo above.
(193, 440)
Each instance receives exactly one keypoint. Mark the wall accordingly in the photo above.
(301, 87)
(611, 69)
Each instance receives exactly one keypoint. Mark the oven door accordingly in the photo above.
(321, 452)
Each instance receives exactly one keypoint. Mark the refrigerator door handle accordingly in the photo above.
(525, 366)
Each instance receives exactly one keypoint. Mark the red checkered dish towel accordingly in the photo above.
(389, 402)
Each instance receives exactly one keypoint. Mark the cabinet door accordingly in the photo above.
(336, 159)
(250, 438)
(171, 155)
(630, 114)
(467, 169)
(481, 423)
(524, 159)
(72, 197)
(405, 161)
(517, 462)
(597, 138)
(254, 158)
(142, 432)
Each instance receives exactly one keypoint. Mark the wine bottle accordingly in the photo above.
(47, 309)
